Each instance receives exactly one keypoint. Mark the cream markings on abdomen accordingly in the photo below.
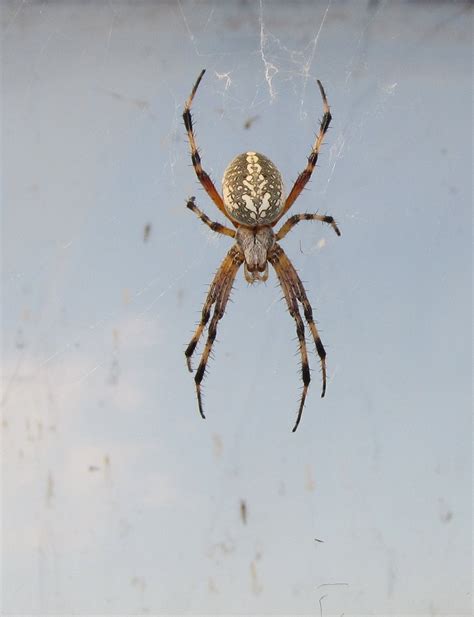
(252, 189)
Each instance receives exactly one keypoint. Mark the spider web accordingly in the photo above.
(105, 271)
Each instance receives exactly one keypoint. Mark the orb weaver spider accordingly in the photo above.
(253, 201)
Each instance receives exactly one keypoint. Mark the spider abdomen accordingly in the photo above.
(253, 190)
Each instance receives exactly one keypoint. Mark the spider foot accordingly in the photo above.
(330, 221)
(189, 352)
(197, 380)
(300, 410)
(323, 370)
(199, 398)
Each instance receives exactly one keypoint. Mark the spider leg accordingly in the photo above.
(214, 291)
(221, 303)
(203, 176)
(217, 227)
(285, 269)
(205, 314)
(296, 218)
(308, 311)
(219, 294)
(305, 175)
(292, 303)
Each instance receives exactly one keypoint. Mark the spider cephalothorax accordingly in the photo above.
(255, 244)
(253, 200)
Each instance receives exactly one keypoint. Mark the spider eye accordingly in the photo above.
(253, 189)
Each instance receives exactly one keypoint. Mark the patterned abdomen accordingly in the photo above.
(253, 190)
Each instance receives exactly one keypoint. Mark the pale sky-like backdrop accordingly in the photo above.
(117, 498)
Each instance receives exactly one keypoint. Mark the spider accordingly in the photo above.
(253, 200)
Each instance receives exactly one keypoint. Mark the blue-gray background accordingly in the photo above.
(117, 497)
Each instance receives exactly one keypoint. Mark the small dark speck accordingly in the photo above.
(243, 511)
(318, 540)
(146, 232)
(94, 468)
(373, 5)
(248, 123)
(445, 512)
